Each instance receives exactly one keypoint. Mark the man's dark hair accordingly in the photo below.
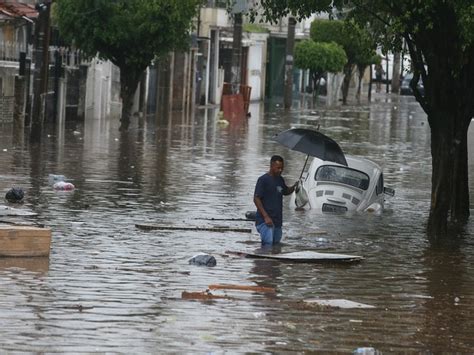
(276, 158)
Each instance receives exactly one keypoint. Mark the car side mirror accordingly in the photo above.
(389, 191)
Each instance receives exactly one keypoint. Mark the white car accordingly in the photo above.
(334, 182)
(333, 187)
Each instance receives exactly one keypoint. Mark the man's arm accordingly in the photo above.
(259, 204)
(290, 189)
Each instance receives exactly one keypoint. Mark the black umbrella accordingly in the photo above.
(312, 143)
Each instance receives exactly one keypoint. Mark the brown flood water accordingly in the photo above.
(110, 287)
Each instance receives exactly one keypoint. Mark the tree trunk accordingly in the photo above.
(396, 73)
(359, 85)
(129, 80)
(450, 190)
(369, 95)
(316, 81)
(445, 63)
(346, 82)
(316, 78)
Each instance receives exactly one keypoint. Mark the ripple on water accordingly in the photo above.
(110, 287)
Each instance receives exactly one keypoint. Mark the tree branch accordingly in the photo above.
(417, 59)
(372, 13)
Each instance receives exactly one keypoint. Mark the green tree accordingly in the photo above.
(129, 33)
(319, 58)
(440, 39)
(355, 40)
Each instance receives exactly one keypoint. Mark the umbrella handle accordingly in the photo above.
(304, 166)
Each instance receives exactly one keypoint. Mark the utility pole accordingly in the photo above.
(236, 53)
(41, 70)
(290, 46)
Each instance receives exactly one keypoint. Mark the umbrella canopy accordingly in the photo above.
(312, 143)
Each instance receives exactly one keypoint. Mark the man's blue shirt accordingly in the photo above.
(270, 190)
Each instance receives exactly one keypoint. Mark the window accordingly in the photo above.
(379, 187)
(342, 175)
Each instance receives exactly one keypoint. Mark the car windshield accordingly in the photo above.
(342, 175)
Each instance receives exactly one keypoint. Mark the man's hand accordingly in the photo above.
(292, 188)
(268, 220)
(296, 186)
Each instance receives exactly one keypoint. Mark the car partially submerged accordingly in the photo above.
(334, 182)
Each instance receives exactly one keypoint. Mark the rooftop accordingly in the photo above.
(14, 10)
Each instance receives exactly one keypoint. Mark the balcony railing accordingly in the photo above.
(10, 51)
(69, 57)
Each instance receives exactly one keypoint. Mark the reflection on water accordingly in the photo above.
(35, 264)
(108, 286)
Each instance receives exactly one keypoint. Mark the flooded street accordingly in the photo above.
(110, 287)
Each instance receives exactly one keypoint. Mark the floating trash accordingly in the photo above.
(53, 178)
(366, 351)
(203, 260)
(15, 195)
(63, 186)
(339, 303)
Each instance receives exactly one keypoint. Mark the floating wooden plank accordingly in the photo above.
(201, 296)
(10, 211)
(79, 307)
(16, 222)
(225, 219)
(339, 303)
(320, 232)
(262, 289)
(24, 241)
(302, 257)
(182, 228)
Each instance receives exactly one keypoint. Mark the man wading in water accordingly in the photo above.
(268, 198)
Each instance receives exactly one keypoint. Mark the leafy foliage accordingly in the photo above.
(129, 33)
(126, 32)
(320, 57)
(272, 10)
(355, 41)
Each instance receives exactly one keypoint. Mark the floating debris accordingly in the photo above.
(338, 303)
(302, 256)
(203, 260)
(207, 229)
(262, 289)
(15, 195)
(202, 296)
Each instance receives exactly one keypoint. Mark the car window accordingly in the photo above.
(342, 175)
(379, 187)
